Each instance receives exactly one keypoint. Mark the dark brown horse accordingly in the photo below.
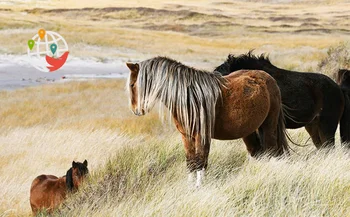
(48, 192)
(311, 100)
(343, 80)
(205, 105)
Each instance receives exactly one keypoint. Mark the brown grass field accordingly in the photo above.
(137, 164)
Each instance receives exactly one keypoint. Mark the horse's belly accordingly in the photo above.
(245, 106)
(242, 126)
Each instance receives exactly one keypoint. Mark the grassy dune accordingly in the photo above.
(137, 164)
(45, 128)
(151, 181)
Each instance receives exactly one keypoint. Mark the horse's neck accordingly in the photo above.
(265, 66)
(268, 67)
(246, 65)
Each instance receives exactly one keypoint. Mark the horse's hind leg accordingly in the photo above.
(312, 129)
(322, 132)
(252, 142)
(269, 131)
(329, 118)
(327, 131)
(269, 135)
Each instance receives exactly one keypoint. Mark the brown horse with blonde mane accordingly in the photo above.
(48, 192)
(245, 104)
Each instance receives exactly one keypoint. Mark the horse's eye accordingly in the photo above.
(132, 85)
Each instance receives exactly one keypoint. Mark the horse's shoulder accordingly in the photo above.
(51, 177)
(250, 83)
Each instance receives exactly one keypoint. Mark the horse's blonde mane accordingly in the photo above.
(188, 93)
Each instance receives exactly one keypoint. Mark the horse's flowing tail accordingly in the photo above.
(282, 135)
(345, 120)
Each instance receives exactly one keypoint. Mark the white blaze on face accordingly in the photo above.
(128, 89)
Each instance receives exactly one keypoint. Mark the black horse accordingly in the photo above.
(343, 80)
(311, 100)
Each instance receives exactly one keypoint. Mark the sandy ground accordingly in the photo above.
(15, 73)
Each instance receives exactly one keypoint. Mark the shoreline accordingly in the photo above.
(16, 73)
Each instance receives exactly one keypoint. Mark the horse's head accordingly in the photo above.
(343, 78)
(76, 175)
(133, 89)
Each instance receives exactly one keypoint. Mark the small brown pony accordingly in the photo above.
(206, 105)
(48, 192)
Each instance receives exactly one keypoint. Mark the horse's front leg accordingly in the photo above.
(196, 157)
(190, 150)
(202, 153)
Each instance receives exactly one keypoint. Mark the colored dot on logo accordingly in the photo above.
(41, 33)
(53, 48)
(31, 44)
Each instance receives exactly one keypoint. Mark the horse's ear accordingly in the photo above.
(74, 164)
(85, 163)
(346, 74)
(340, 76)
(134, 67)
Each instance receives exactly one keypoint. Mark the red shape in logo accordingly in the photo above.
(56, 63)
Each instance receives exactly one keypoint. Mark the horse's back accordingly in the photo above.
(42, 180)
(246, 103)
(253, 82)
(248, 72)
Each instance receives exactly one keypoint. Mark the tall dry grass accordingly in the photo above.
(150, 180)
(88, 105)
(138, 167)
(338, 57)
(43, 129)
(137, 164)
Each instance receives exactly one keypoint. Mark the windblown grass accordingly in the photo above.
(150, 180)
(75, 106)
(45, 128)
(338, 57)
(137, 164)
